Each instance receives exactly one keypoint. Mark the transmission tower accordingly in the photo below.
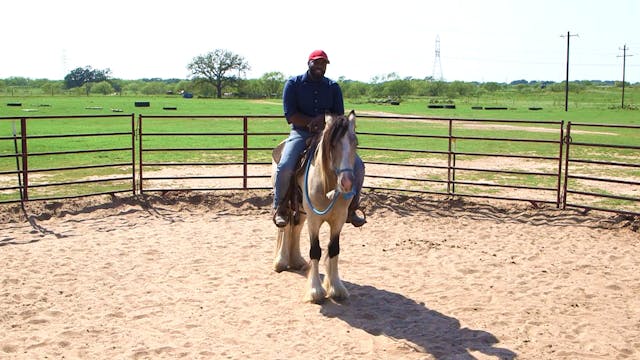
(437, 66)
(64, 62)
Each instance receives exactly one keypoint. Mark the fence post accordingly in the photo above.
(245, 155)
(567, 139)
(140, 151)
(133, 154)
(559, 185)
(18, 157)
(25, 155)
(450, 164)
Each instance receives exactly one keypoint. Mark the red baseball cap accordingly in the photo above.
(318, 54)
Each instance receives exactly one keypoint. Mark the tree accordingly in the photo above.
(216, 68)
(353, 89)
(491, 86)
(154, 88)
(183, 86)
(432, 88)
(459, 88)
(80, 76)
(116, 84)
(250, 89)
(273, 83)
(18, 81)
(51, 87)
(103, 88)
(397, 88)
(133, 87)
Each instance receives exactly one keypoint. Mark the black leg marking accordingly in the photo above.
(315, 251)
(334, 246)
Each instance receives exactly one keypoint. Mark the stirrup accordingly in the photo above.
(356, 220)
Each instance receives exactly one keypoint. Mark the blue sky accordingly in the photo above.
(489, 40)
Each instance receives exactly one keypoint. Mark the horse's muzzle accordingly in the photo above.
(345, 180)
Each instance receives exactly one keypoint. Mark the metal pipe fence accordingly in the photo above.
(473, 158)
(211, 152)
(603, 176)
(512, 160)
(80, 162)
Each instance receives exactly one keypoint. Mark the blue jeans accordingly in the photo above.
(293, 148)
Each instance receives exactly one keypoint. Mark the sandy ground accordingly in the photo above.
(190, 276)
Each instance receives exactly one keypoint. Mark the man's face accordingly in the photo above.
(317, 68)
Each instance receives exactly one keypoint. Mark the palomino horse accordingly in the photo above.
(327, 191)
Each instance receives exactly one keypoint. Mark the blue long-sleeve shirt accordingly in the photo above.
(311, 98)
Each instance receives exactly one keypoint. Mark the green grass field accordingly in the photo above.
(185, 107)
(592, 105)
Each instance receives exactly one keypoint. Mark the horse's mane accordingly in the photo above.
(335, 128)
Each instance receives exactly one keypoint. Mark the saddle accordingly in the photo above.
(292, 200)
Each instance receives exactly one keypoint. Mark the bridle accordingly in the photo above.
(336, 193)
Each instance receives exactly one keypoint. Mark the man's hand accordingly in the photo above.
(316, 124)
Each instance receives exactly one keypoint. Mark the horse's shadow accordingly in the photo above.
(381, 312)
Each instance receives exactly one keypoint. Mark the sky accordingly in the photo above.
(484, 41)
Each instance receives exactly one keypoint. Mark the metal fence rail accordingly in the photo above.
(35, 147)
(230, 168)
(513, 160)
(619, 171)
(461, 178)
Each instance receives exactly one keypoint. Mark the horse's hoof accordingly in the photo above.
(315, 297)
(338, 295)
(315, 301)
(337, 292)
(279, 267)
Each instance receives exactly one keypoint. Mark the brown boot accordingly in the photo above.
(352, 217)
(355, 220)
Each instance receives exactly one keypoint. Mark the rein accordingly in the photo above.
(336, 193)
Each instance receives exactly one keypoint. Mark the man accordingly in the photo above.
(305, 99)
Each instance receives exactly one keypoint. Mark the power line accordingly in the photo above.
(526, 62)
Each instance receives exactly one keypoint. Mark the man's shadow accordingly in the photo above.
(381, 312)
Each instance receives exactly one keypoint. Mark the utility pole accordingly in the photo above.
(624, 66)
(566, 84)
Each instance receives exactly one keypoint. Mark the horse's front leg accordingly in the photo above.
(315, 292)
(296, 261)
(281, 261)
(332, 283)
(288, 255)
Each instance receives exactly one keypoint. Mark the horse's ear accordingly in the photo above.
(328, 118)
(352, 120)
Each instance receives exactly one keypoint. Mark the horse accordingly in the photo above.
(327, 190)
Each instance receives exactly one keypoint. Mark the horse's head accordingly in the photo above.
(337, 151)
